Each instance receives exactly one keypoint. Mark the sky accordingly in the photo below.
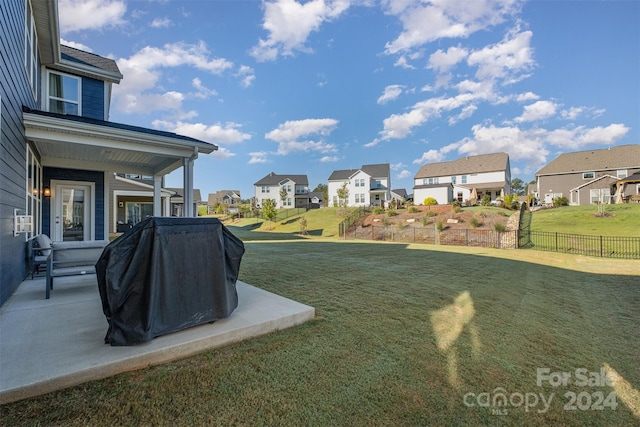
(309, 87)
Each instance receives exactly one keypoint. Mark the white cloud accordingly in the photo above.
(227, 133)
(291, 136)
(403, 174)
(246, 75)
(160, 23)
(290, 23)
(222, 154)
(403, 63)
(426, 21)
(257, 157)
(442, 61)
(581, 136)
(390, 93)
(397, 166)
(202, 91)
(140, 92)
(528, 96)
(510, 60)
(537, 111)
(329, 159)
(82, 15)
(75, 45)
(464, 114)
(431, 156)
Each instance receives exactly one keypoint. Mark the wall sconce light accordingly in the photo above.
(46, 192)
(121, 204)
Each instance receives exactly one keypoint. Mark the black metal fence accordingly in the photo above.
(598, 246)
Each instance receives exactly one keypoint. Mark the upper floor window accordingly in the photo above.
(63, 93)
(430, 181)
(454, 179)
(265, 189)
(464, 179)
(31, 53)
(621, 173)
(588, 175)
(360, 182)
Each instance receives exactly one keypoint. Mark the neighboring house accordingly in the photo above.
(230, 198)
(296, 186)
(591, 176)
(315, 199)
(488, 174)
(177, 202)
(368, 186)
(400, 194)
(131, 200)
(59, 149)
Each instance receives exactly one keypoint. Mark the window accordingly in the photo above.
(265, 189)
(360, 198)
(287, 202)
(432, 181)
(464, 179)
(600, 195)
(588, 175)
(31, 54)
(136, 212)
(359, 182)
(63, 93)
(622, 173)
(454, 179)
(34, 191)
(459, 196)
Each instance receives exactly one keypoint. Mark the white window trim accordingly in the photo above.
(31, 62)
(588, 175)
(48, 97)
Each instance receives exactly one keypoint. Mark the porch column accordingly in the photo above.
(157, 196)
(187, 210)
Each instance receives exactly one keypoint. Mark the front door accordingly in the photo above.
(72, 216)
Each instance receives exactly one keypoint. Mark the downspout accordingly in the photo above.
(188, 184)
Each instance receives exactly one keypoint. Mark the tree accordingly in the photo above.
(343, 195)
(324, 189)
(283, 195)
(518, 187)
(269, 210)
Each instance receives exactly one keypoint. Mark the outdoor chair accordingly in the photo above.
(40, 250)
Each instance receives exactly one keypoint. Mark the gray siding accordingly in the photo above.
(16, 92)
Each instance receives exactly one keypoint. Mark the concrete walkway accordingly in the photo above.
(47, 345)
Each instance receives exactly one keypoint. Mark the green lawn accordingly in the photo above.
(403, 335)
(619, 220)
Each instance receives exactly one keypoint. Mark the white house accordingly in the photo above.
(296, 186)
(367, 186)
(488, 174)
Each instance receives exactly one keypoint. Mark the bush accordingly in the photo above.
(430, 201)
(475, 222)
(560, 201)
(457, 209)
(440, 225)
(378, 210)
(500, 228)
(430, 214)
(511, 201)
(413, 209)
(392, 212)
(486, 200)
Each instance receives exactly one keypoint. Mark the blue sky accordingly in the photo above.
(311, 87)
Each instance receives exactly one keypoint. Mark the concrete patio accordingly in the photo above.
(48, 345)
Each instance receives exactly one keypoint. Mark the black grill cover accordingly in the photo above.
(168, 274)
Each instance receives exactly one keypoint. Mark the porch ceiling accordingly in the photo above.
(103, 146)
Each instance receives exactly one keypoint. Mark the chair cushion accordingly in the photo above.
(43, 241)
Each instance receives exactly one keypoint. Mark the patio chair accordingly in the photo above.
(40, 250)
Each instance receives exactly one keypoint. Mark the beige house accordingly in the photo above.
(592, 176)
(463, 179)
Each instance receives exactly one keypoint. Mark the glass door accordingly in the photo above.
(72, 214)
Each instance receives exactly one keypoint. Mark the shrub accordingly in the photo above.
(456, 203)
(430, 214)
(500, 228)
(475, 222)
(430, 201)
(440, 225)
(378, 210)
(392, 212)
(511, 201)
(486, 200)
(457, 209)
(560, 201)
(413, 209)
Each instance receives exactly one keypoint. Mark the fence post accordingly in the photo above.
(556, 241)
(601, 249)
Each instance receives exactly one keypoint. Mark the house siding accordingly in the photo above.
(15, 91)
(93, 98)
(564, 183)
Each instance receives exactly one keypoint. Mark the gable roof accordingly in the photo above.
(213, 198)
(620, 157)
(375, 171)
(275, 179)
(466, 165)
(178, 197)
